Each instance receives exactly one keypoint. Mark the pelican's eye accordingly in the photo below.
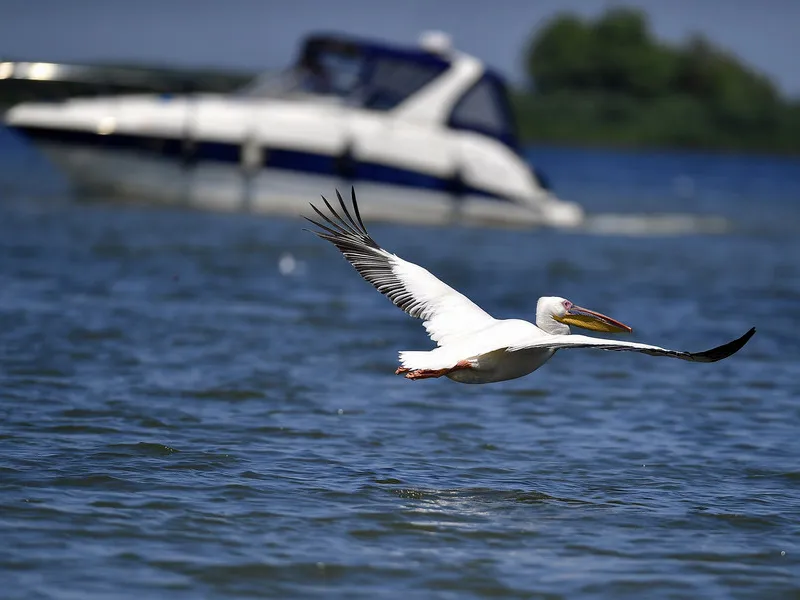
(567, 304)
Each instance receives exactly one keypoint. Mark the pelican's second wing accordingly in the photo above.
(558, 342)
(447, 313)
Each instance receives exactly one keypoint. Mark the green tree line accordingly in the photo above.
(608, 81)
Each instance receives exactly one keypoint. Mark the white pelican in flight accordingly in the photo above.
(473, 346)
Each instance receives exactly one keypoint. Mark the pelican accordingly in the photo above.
(473, 346)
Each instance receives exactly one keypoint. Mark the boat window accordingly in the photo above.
(485, 109)
(337, 73)
(364, 76)
(390, 81)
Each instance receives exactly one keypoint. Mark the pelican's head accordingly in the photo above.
(554, 315)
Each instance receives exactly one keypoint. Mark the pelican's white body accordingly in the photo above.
(486, 351)
(499, 365)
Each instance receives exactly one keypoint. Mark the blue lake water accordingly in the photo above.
(198, 405)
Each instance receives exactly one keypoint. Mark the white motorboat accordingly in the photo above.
(425, 133)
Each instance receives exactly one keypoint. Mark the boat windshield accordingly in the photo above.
(363, 75)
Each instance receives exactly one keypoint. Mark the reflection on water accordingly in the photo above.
(656, 224)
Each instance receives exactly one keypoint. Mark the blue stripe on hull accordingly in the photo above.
(274, 158)
(295, 160)
(367, 171)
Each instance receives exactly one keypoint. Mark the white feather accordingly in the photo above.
(447, 314)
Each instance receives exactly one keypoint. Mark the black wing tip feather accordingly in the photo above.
(341, 228)
(725, 350)
(372, 262)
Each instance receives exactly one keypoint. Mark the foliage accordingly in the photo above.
(610, 81)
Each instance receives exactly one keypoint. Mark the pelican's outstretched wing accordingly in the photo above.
(447, 313)
(558, 342)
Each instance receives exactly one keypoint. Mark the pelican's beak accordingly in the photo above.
(588, 319)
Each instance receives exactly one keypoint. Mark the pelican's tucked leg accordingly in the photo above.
(432, 373)
(426, 373)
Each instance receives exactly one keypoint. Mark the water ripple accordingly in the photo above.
(179, 419)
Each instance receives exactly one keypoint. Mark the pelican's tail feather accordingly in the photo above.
(425, 360)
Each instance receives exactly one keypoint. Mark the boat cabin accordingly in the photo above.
(381, 77)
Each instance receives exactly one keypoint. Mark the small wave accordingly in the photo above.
(481, 496)
(143, 449)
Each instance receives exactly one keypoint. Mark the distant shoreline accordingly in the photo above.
(542, 120)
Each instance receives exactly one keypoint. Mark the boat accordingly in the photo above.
(425, 132)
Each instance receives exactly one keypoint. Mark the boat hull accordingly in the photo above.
(114, 173)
